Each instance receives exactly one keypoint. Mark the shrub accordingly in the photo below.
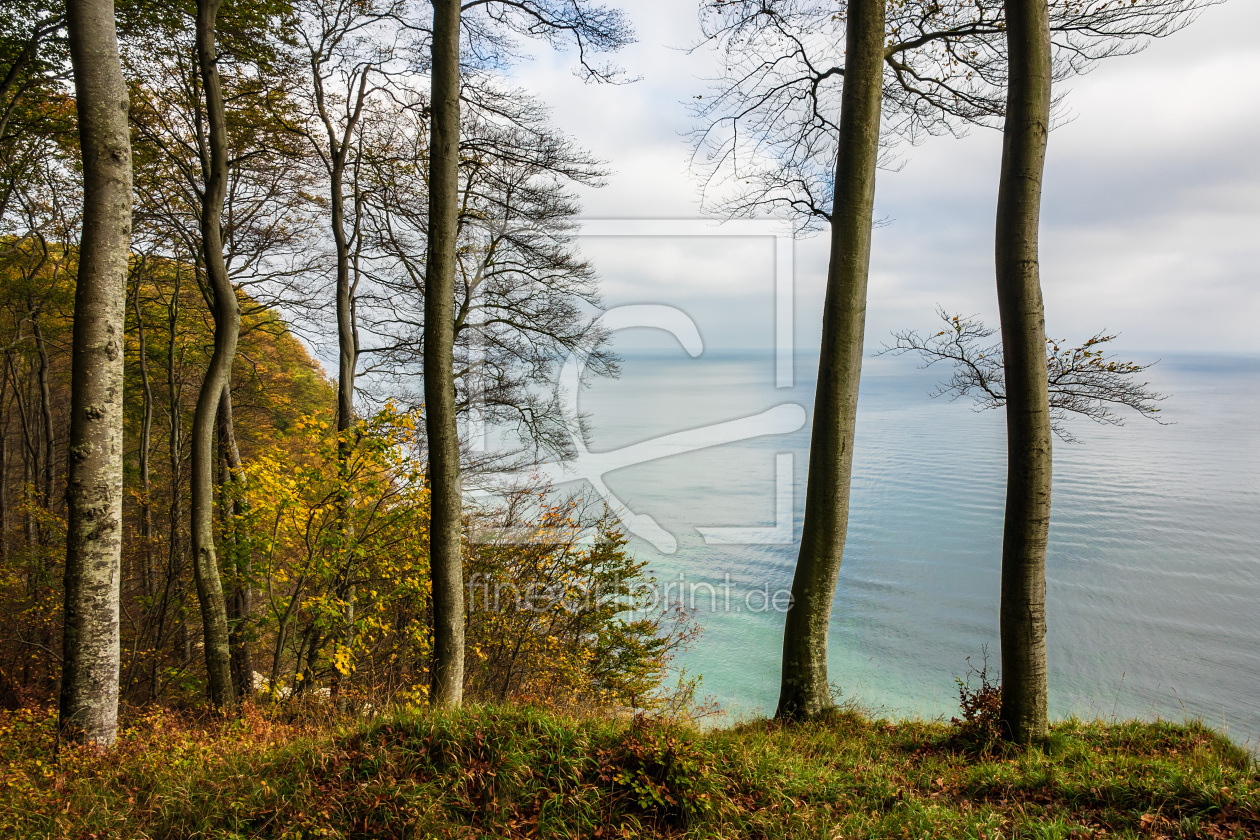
(980, 727)
(663, 771)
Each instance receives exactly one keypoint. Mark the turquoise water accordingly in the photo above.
(1154, 563)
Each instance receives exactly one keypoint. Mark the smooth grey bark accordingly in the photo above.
(805, 690)
(90, 647)
(227, 327)
(1028, 422)
(445, 558)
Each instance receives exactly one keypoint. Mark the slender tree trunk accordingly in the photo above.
(240, 603)
(148, 582)
(276, 652)
(347, 332)
(175, 449)
(4, 469)
(89, 685)
(145, 451)
(805, 690)
(282, 631)
(446, 561)
(348, 344)
(30, 454)
(30, 469)
(337, 156)
(227, 325)
(347, 327)
(1027, 525)
(28, 457)
(184, 638)
(46, 418)
(28, 520)
(35, 567)
(307, 659)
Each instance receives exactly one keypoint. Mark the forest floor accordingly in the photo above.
(519, 772)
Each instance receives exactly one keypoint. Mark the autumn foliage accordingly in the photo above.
(325, 560)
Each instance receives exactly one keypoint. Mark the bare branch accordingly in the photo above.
(1083, 380)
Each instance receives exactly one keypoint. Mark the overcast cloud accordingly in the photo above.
(1150, 221)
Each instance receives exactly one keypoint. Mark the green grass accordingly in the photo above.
(513, 772)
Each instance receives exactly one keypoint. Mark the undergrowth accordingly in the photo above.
(521, 772)
(980, 727)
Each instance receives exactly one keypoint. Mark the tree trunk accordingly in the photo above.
(145, 450)
(89, 686)
(347, 327)
(4, 469)
(805, 690)
(439, 363)
(347, 340)
(45, 412)
(29, 456)
(35, 559)
(175, 449)
(347, 332)
(240, 602)
(227, 325)
(307, 659)
(1027, 524)
(282, 627)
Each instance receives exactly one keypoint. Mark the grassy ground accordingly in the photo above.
(500, 772)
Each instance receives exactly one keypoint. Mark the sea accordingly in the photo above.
(1154, 559)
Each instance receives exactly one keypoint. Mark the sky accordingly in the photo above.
(1150, 220)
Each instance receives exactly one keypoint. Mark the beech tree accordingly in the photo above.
(1028, 428)
(350, 64)
(445, 519)
(227, 320)
(523, 298)
(490, 32)
(346, 65)
(794, 138)
(1029, 421)
(226, 196)
(774, 137)
(90, 641)
(805, 690)
(222, 198)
